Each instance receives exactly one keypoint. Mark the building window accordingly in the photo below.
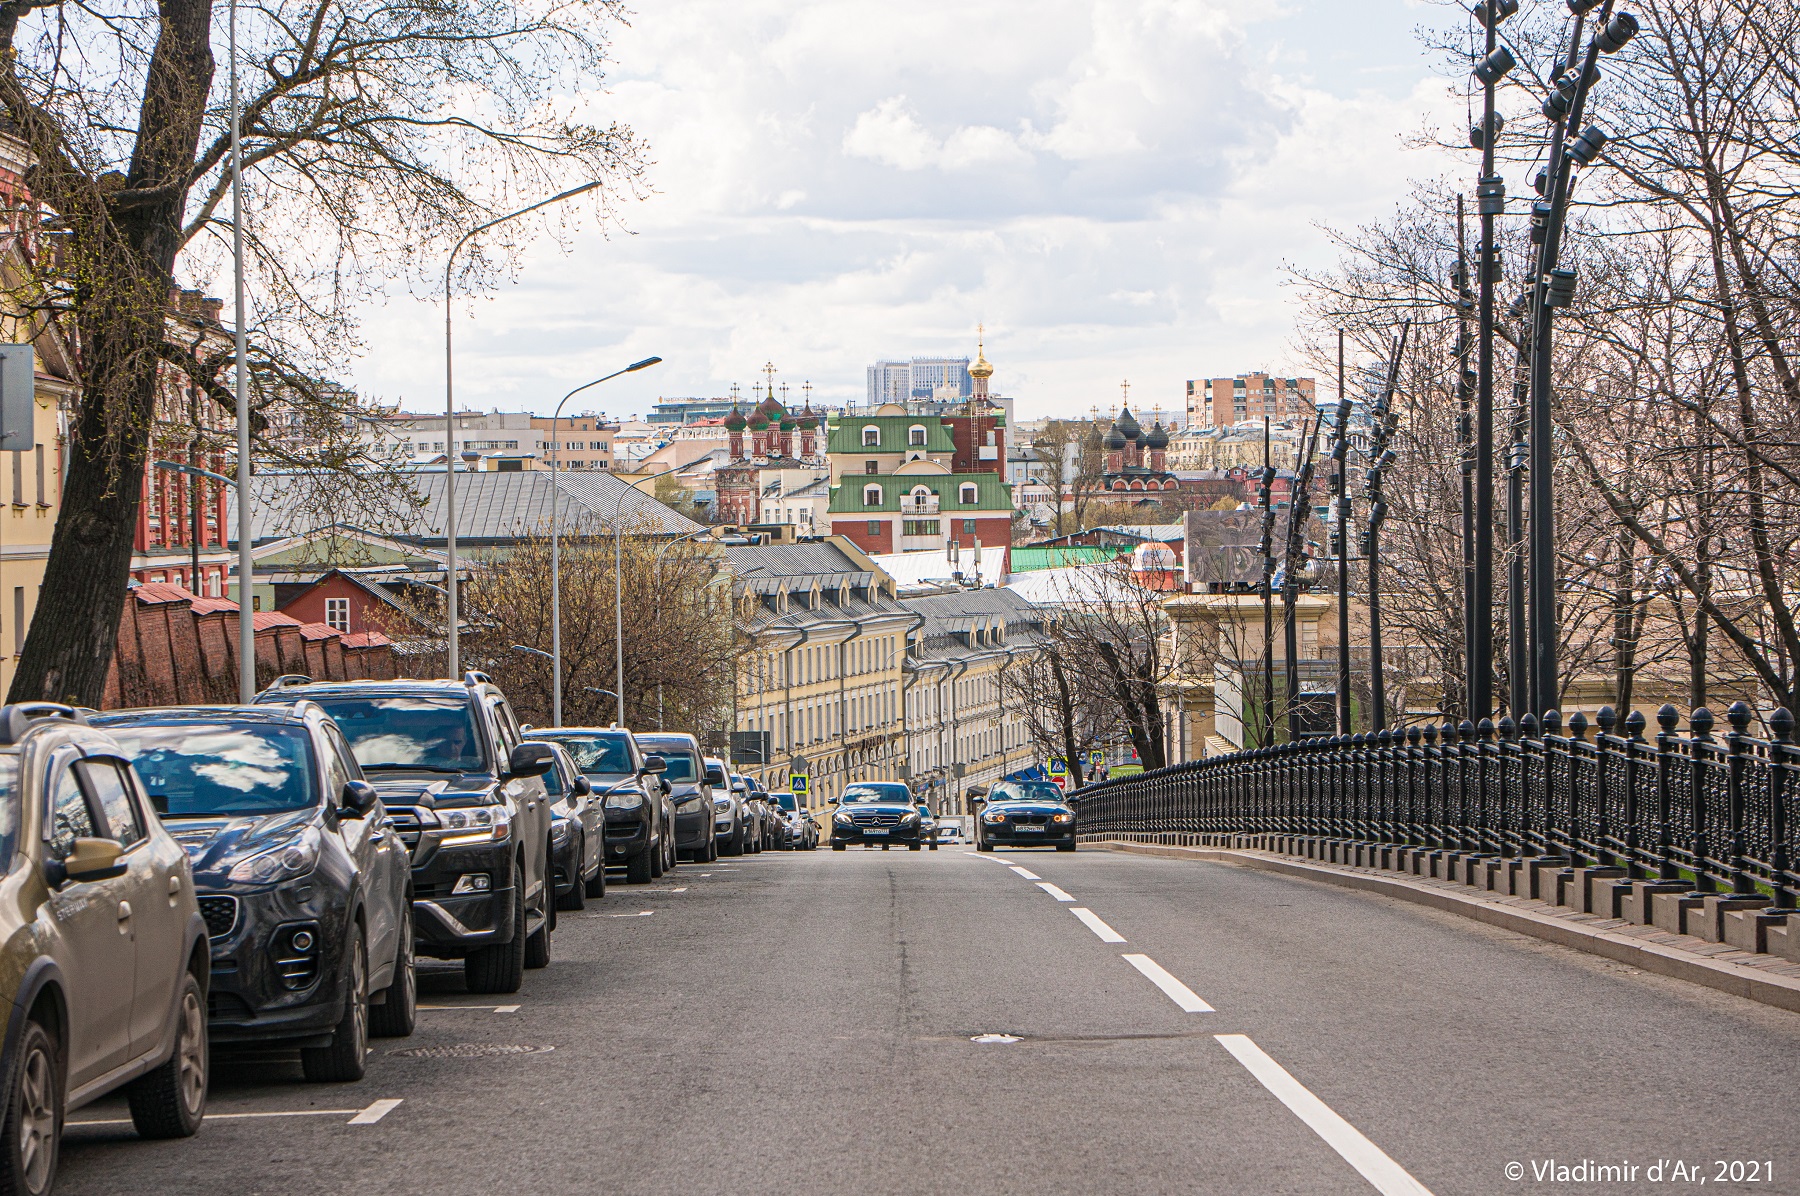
(965, 494)
(919, 527)
(915, 436)
(968, 526)
(871, 437)
(874, 527)
(871, 496)
(40, 477)
(871, 467)
(337, 614)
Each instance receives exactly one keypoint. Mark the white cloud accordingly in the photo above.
(1111, 185)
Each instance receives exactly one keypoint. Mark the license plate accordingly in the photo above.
(874, 830)
(1029, 830)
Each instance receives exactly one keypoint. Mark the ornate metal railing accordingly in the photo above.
(1716, 810)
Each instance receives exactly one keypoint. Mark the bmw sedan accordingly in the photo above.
(1025, 814)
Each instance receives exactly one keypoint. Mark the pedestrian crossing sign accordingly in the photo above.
(797, 783)
(1059, 767)
(1096, 758)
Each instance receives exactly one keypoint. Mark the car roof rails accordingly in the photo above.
(16, 718)
(287, 680)
(477, 677)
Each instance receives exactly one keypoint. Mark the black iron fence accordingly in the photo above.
(1716, 810)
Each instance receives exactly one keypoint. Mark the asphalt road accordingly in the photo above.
(799, 1023)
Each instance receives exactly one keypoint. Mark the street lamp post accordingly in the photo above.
(241, 384)
(1265, 732)
(1381, 457)
(1340, 541)
(453, 633)
(556, 686)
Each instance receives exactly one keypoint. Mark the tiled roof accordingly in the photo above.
(318, 631)
(366, 639)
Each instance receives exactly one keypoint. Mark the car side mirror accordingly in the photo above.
(655, 764)
(357, 800)
(530, 760)
(581, 787)
(88, 859)
(715, 776)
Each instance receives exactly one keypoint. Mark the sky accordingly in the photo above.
(1110, 187)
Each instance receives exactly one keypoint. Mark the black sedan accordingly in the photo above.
(577, 833)
(304, 885)
(876, 813)
(1024, 814)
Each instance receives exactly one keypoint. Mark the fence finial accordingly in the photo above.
(1738, 715)
(1701, 722)
(1781, 724)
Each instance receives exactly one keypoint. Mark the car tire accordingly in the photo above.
(346, 1058)
(839, 846)
(640, 869)
(537, 947)
(595, 888)
(170, 1101)
(934, 845)
(500, 967)
(1065, 847)
(659, 863)
(398, 1015)
(34, 1115)
(912, 847)
(984, 846)
(712, 850)
(576, 897)
(885, 846)
(734, 842)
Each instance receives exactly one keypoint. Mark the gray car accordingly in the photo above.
(691, 781)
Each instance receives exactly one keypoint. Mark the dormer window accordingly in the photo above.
(871, 436)
(966, 494)
(915, 436)
(871, 496)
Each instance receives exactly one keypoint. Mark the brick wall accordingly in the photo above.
(857, 532)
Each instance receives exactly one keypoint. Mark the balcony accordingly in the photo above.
(923, 504)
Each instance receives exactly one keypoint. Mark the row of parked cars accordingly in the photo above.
(190, 878)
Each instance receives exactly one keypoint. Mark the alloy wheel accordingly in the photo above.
(37, 1119)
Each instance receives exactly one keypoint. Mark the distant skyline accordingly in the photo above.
(1110, 187)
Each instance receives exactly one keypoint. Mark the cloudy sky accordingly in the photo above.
(1110, 186)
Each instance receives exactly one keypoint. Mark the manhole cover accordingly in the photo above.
(470, 1050)
(988, 1039)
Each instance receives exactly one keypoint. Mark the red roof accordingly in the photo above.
(155, 593)
(366, 639)
(318, 631)
(264, 619)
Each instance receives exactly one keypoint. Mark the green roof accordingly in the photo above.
(991, 494)
(846, 434)
(1034, 557)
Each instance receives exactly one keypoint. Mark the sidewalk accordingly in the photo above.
(1768, 979)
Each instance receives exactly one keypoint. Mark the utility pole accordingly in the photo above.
(1465, 401)
(1386, 418)
(1299, 510)
(1340, 542)
(1266, 732)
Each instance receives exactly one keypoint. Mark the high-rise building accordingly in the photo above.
(1222, 402)
(929, 375)
(889, 382)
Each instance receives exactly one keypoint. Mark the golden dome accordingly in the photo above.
(981, 368)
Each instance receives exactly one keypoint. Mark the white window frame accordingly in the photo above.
(871, 435)
(872, 489)
(337, 614)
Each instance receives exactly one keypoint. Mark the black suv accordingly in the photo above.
(639, 830)
(690, 780)
(467, 797)
(876, 812)
(301, 879)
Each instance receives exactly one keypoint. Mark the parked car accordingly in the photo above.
(577, 833)
(303, 882)
(927, 824)
(729, 815)
(466, 794)
(627, 783)
(1023, 814)
(802, 831)
(102, 945)
(950, 829)
(756, 815)
(691, 781)
(876, 812)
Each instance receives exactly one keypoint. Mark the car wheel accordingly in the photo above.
(734, 843)
(983, 845)
(885, 846)
(500, 967)
(640, 869)
(595, 888)
(659, 863)
(1065, 847)
(576, 897)
(934, 845)
(838, 846)
(712, 850)
(34, 1114)
(170, 1101)
(346, 1057)
(537, 947)
(912, 847)
(398, 1014)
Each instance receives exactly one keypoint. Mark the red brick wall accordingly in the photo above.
(857, 532)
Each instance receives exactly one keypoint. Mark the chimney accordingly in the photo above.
(190, 302)
(212, 308)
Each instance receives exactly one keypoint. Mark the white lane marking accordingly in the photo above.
(375, 1112)
(1027, 873)
(643, 913)
(245, 1116)
(469, 1008)
(1054, 891)
(1387, 1176)
(506, 1009)
(1092, 922)
(682, 889)
(1176, 991)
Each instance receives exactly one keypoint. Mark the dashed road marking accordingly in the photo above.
(469, 1008)
(1054, 891)
(1027, 873)
(376, 1112)
(1174, 989)
(1092, 921)
(366, 1116)
(1387, 1176)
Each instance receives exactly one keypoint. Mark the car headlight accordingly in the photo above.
(624, 799)
(688, 805)
(559, 830)
(843, 818)
(721, 804)
(1062, 818)
(488, 824)
(909, 820)
(993, 818)
(285, 861)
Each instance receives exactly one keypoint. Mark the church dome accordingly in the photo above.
(1158, 438)
(735, 421)
(1127, 426)
(759, 420)
(1115, 440)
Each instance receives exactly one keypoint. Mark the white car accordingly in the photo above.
(950, 829)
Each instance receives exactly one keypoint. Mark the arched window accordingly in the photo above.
(915, 436)
(871, 496)
(871, 436)
(966, 494)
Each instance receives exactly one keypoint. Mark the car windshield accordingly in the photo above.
(9, 802)
(221, 770)
(594, 754)
(878, 791)
(425, 733)
(683, 764)
(1029, 791)
(786, 801)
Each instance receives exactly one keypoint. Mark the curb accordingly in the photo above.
(1782, 992)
